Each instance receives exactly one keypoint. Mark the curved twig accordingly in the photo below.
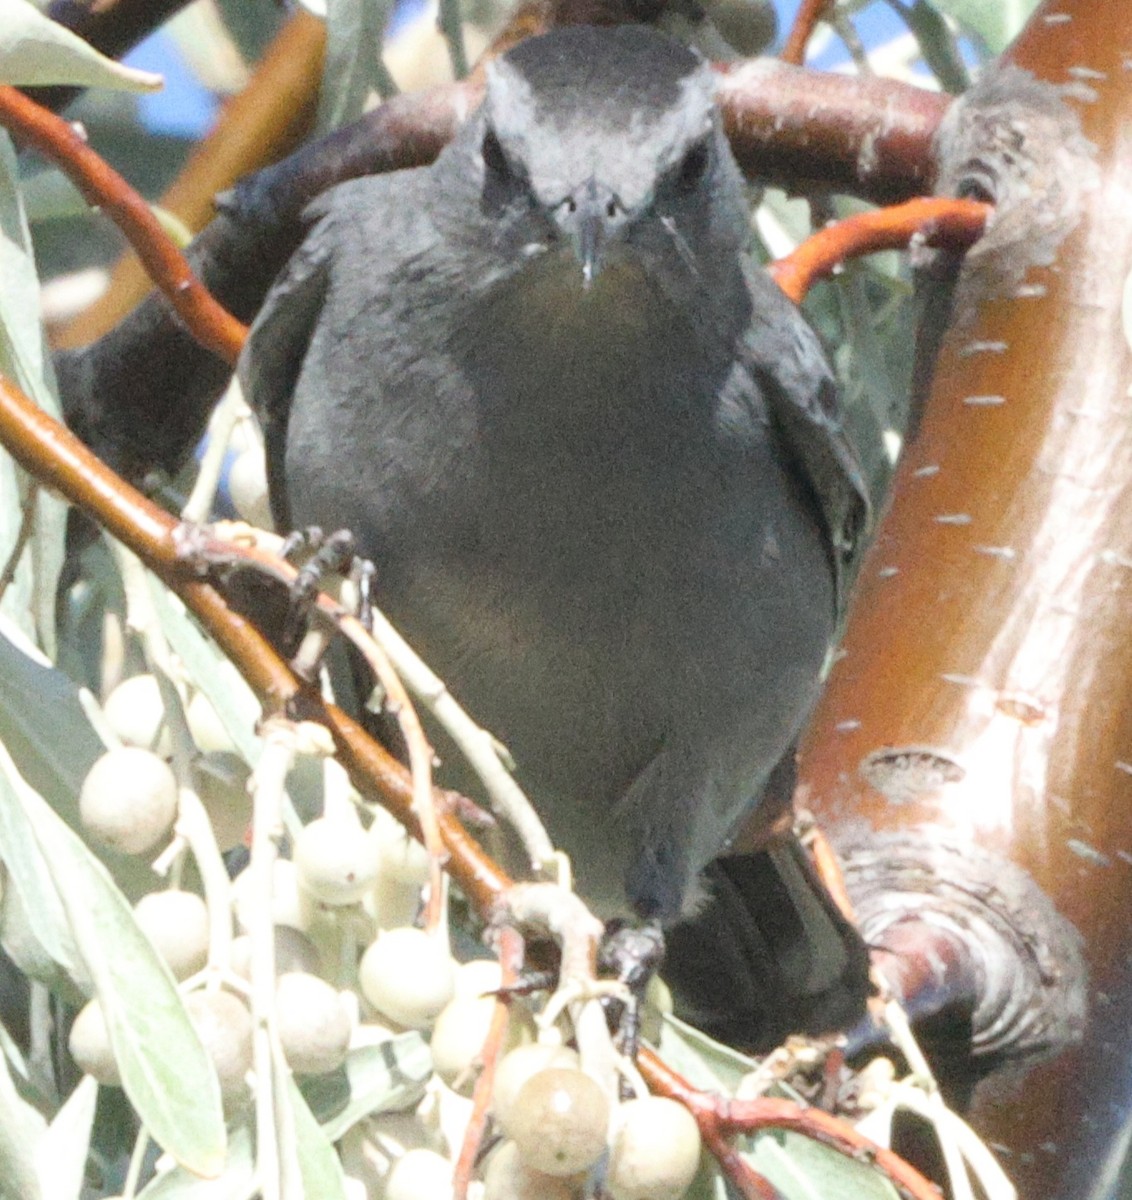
(809, 13)
(61, 142)
(937, 221)
(721, 1119)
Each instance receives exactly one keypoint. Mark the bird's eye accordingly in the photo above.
(694, 166)
(493, 157)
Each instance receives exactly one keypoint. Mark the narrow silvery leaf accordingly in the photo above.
(62, 1150)
(165, 1071)
(35, 50)
(30, 597)
(353, 72)
(21, 1128)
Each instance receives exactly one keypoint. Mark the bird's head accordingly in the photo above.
(599, 153)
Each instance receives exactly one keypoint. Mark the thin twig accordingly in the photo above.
(50, 452)
(808, 15)
(822, 855)
(511, 949)
(61, 142)
(452, 28)
(268, 782)
(231, 541)
(23, 535)
(941, 221)
(420, 758)
(193, 827)
(720, 1118)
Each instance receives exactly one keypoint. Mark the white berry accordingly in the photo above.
(420, 1175)
(128, 800)
(225, 1029)
(408, 976)
(176, 923)
(516, 1067)
(655, 1150)
(337, 863)
(459, 1034)
(209, 732)
(136, 713)
(290, 905)
(559, 1121)
(294, 951)
(89, 1044)
(313, 1024)
(401, 856)
(509, 1178)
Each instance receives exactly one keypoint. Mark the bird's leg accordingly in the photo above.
(332, 554)
(634, 954)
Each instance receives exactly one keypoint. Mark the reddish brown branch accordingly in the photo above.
(57, 458)
(36, 126)
(938, 221)
(511, 952)
(720, 1118)
(809, 13)
(814, 131)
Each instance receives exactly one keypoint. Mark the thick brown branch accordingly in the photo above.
(57, 458)
(36, 126)
(943, 222)
(814, 131)
(970, 754)
(263, 123)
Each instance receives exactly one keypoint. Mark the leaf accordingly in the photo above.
(705, 1063)
(165, 1071)
(237, 1182)
(388, 1077)
(994, 24)
(318, 1163)
(30, 597)
(46, 731)
(937, 45)
(234, 702)
(802, 1168)
(21, 1127)
(32, 888)
(61, 1153)
(353, 70)
(35, 50)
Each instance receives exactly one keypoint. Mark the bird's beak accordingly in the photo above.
(589, 216)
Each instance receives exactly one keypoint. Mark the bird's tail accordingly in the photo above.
(769, 954)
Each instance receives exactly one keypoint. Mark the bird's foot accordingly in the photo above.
(321, 556)
(633, 953)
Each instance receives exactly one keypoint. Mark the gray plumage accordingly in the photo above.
(592, 450)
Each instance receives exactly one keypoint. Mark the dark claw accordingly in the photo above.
(529, 982)
(328, 555)
(633, 953)
(365, 576)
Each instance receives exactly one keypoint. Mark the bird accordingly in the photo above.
(594, 453)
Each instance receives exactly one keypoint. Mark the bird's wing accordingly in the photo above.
(277, 345)
(804, 407)
(356, 230)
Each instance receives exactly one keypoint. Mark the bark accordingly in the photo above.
(972, 755)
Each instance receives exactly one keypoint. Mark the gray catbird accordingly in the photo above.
(593, 451)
